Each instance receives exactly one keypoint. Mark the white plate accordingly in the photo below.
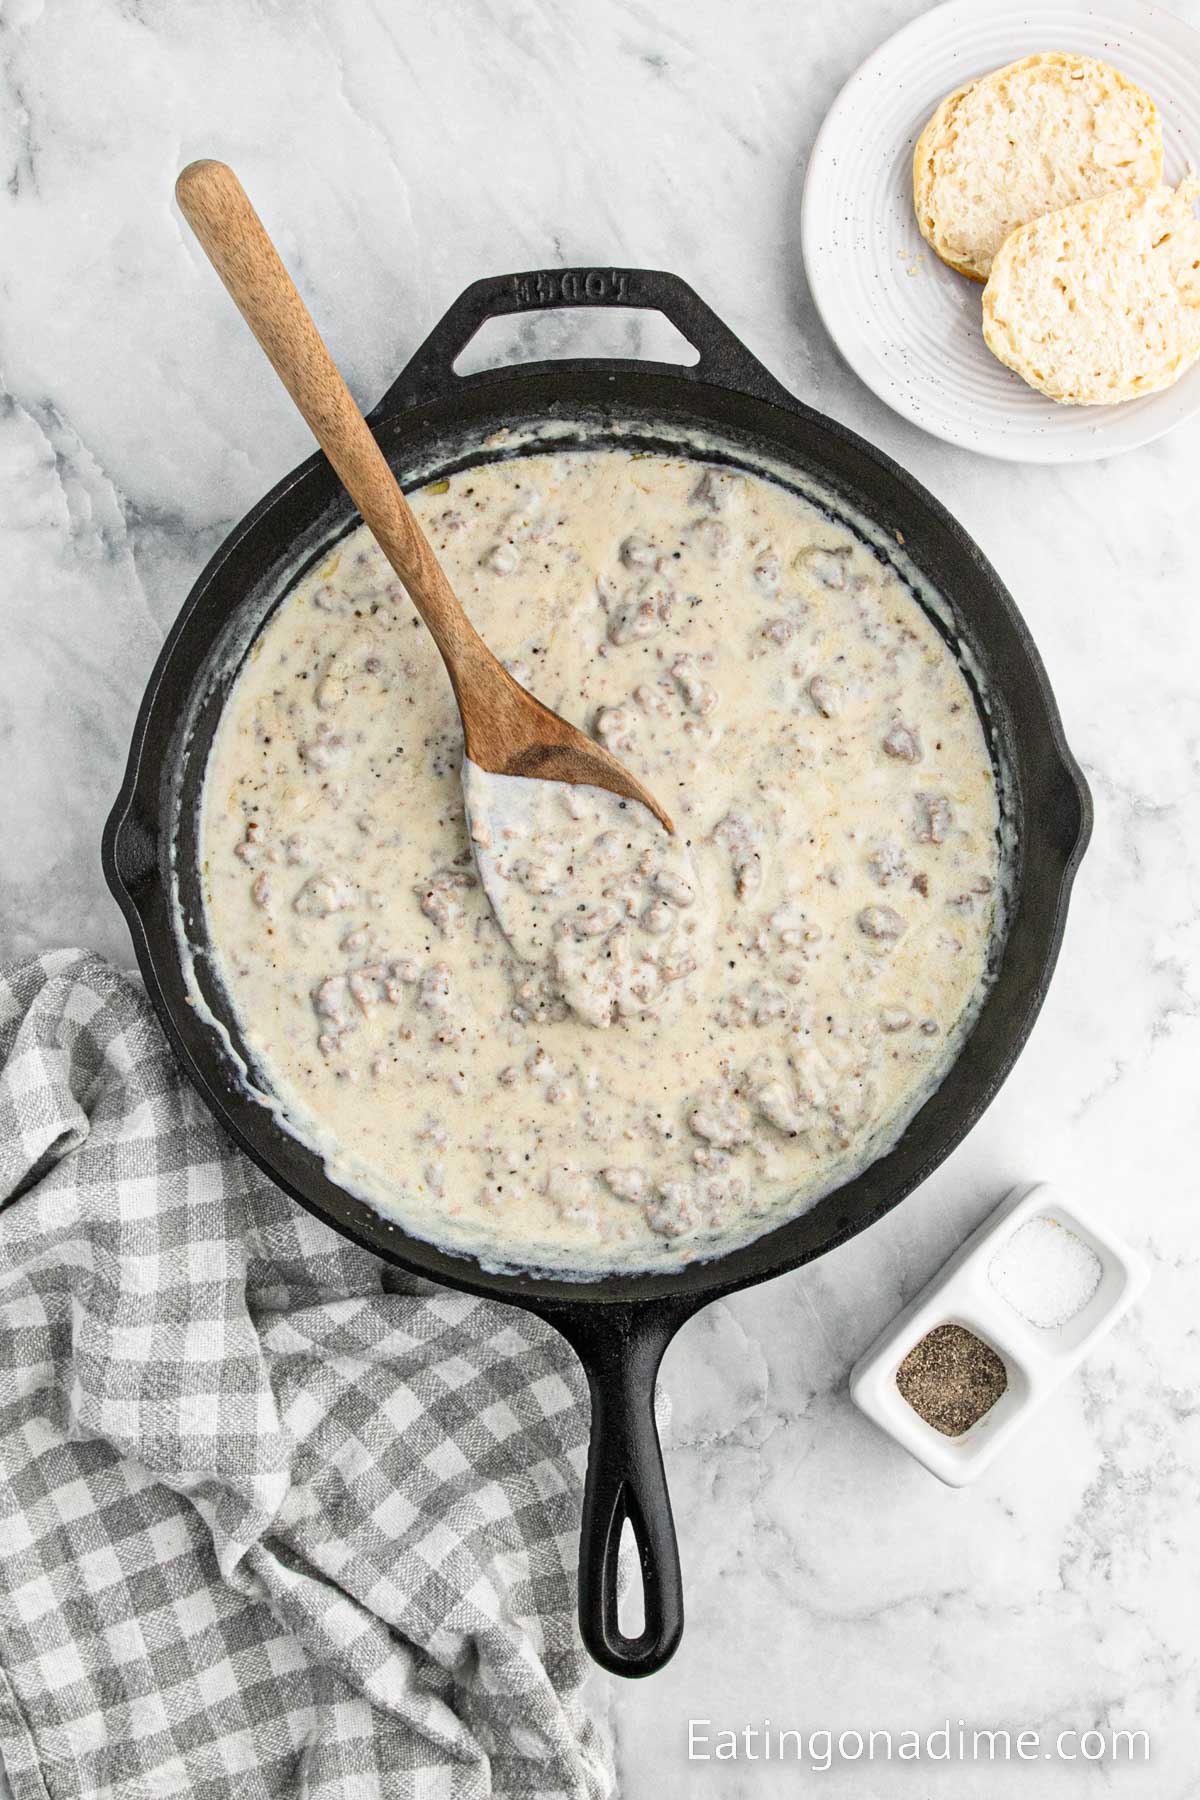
(907, 325)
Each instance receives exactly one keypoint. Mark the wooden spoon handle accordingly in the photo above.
(232, 236)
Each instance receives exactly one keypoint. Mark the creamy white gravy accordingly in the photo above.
(686, 1040)
(591, 891)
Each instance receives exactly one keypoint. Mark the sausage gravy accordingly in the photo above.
(680, 1042)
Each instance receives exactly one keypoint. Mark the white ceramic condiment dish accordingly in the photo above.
(909, 326)
(1038, 1358)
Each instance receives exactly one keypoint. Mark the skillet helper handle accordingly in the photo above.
(233, 237)
(626, 1481)
(723, 359)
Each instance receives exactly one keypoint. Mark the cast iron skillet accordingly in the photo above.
(432, 422)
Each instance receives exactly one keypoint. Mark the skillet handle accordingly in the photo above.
(723, 361)
(621, 1349)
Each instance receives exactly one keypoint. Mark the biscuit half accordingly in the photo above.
(1100, 302)
(1027, 139)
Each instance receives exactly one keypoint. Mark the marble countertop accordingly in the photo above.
(398, 152)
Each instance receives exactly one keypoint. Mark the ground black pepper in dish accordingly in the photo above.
(951, 1378)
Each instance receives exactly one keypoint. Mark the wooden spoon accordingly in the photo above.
(505, 729)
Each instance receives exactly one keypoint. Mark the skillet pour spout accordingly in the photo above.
(726, 407)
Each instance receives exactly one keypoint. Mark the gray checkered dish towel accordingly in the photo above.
(275, 1518)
